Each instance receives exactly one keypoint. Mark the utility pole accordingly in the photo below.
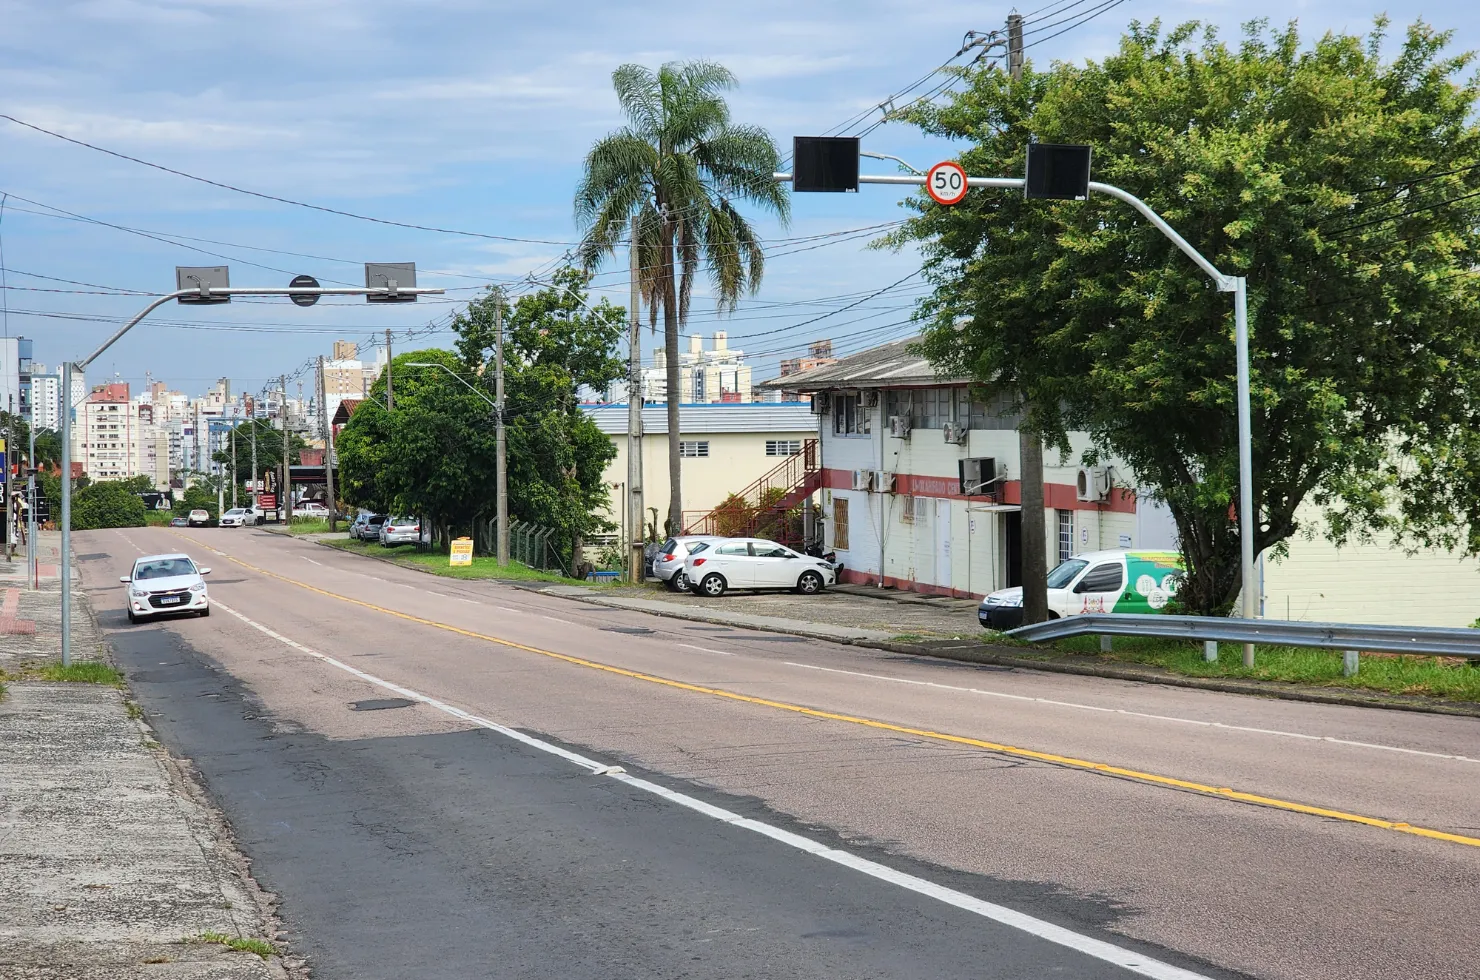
(502, 465)
(1033, 569)
(1015, 46)
(635, 514)
(285, 492)
(326, 426)
(390, 393)
(255, 491)
(32, 554)
(233, 457)
(9, 457)
(195, 457)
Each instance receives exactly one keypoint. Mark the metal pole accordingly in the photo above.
(65, 561)
(285, 491)
(635, 512)
(326, 425)
(390, 394)
(1247, 517)
(501, 478)
(255, 492)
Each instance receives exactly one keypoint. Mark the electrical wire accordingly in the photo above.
(1106, 7)
(273, 197)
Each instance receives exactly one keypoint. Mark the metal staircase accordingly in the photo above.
(768, 508)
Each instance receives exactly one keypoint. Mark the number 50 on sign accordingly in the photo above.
(946, 183)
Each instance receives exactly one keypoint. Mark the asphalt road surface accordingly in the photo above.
(421, 769)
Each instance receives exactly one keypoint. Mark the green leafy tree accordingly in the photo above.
(679, 166)
(48, 447)
(433, 456)
(555, 345)
(199, 496)
(107, 503)
(1344, 185)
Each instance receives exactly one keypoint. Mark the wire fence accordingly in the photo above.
(530, 544)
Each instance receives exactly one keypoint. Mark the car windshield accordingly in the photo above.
(163, 568)
(1061, 576)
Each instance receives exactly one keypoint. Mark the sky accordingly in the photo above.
(469, 115)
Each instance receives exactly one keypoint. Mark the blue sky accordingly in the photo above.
(463, 114)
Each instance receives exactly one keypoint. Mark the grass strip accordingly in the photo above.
(483, 566)
(261, 947)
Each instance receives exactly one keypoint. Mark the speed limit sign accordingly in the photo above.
(946, 183)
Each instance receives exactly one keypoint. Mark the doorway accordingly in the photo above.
(1012, 548)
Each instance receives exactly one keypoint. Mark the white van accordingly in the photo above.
(1095, 582)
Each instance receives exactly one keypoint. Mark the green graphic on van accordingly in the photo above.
(1153, 580)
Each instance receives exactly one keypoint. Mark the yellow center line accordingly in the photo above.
(1154, 779)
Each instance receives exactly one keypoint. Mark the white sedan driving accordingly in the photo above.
(715, 567)
(162, 584)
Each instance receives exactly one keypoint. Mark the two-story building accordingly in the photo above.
(921, 484)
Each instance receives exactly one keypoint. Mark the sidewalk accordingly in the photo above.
(108, 864)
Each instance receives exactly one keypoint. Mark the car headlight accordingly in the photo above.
(137, 594)
(1001, 600)
(198, 587)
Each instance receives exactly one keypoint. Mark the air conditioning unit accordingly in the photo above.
(899, 426)
(883, 481)
(1093, 483)
(820, 404)
(955, 433)
(869, 399)
(863, 479)
(979, 476)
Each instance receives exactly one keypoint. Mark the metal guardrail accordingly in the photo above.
(1352, 638)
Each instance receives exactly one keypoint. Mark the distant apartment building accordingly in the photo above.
(108, 433)
(819, 354)
(705, 377)
(15, 376)
(343, 376)
(46, 399)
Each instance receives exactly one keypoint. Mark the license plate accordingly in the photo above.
(172, 600)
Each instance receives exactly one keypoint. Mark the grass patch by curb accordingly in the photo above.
(261, 947)
(87, 672)
(1438, 677)
(310, 525)
(483, 567)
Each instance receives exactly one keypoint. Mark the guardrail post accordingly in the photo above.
(1349, 663)
(1210, 651)
(1104, 643)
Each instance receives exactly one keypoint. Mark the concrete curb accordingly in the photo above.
(997, 656)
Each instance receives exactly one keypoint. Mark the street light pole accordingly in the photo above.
(501, 480)
(1238, 286)
(205, 292)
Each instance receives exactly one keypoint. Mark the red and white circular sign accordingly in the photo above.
(946, 183)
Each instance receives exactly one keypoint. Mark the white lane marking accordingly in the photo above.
(690, 646)
(1138, 714)
(310, 560)
(1130, 960)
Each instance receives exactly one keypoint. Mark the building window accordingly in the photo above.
(907, 514)
(783, 447)
(1066, 534)
(840, 523)
(850, 418)
(694, 450)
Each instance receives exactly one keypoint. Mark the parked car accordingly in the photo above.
(199, 518)
(162, 584)
(310, 508)
(236, 517)
(1098, 582)
(179, 522)
(713, 568)
(668, 564)
(400, 530)
(367, 527)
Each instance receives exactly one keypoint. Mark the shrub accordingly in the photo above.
(108, 503)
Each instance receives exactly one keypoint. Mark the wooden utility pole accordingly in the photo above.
(255, 491)
(326, 425)
(501, 479)
(390, 394)
(233, 457)
(635, 513)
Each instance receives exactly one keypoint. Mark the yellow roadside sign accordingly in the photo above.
(462, 552)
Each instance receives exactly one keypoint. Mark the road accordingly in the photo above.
(414, 765)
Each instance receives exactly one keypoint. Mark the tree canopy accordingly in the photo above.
(1344, 184)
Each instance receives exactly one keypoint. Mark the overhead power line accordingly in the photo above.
(274, 197)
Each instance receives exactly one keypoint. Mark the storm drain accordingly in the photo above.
(380, 704)
(629, 630)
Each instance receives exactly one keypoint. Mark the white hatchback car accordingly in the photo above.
(668, 563)
(754, 563)
(161, 584)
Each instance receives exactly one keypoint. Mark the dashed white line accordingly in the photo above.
(1137, 714)
(310, 560)
(690, 646)
(1130, 960)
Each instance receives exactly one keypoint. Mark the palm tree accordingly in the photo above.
(679, 166)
